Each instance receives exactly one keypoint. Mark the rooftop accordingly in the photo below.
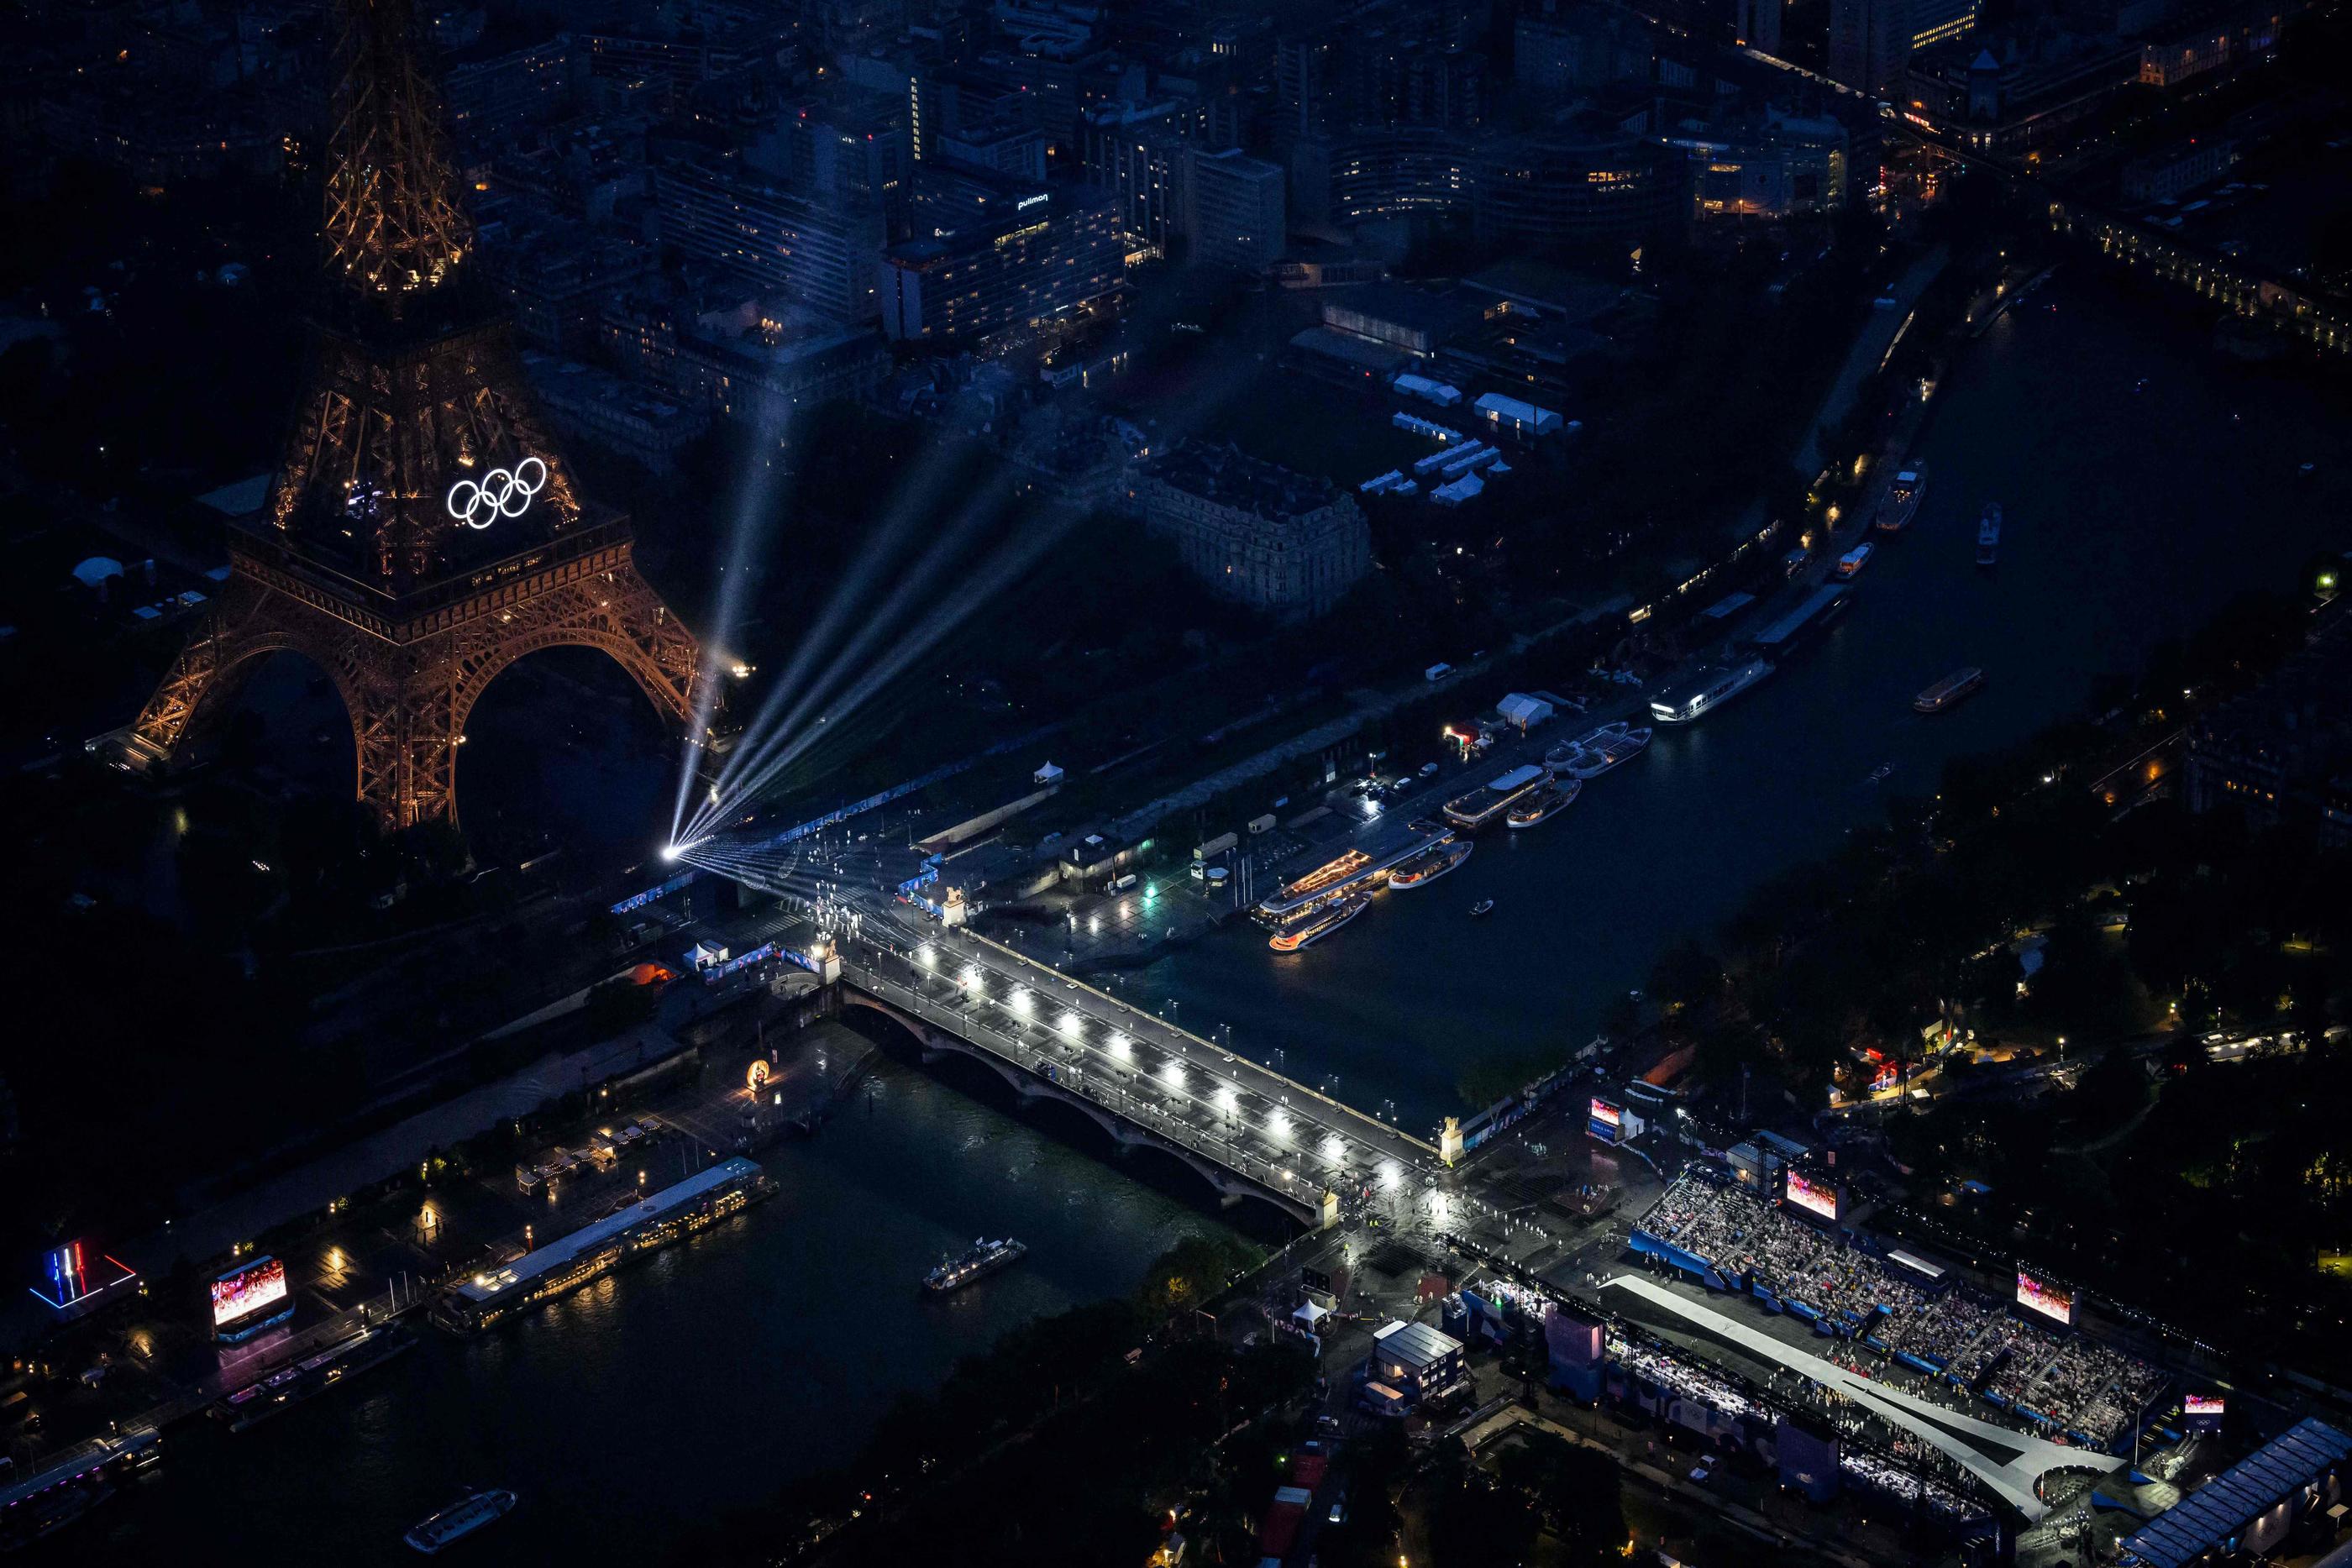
(1414, 1345)
(2216, 1512)
(588, 1238)
(1233, 477)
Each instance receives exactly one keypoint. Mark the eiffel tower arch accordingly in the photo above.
(424, 530)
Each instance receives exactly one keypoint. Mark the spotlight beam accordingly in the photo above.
(752, 766)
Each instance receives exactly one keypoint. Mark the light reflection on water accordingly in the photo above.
(704, 1376)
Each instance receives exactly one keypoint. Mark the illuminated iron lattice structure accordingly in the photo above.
(423, 531)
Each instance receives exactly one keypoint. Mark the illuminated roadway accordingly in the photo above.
(1284, 1137)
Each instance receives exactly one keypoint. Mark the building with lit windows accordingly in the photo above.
(732, 358)
(1257, 534)
(1233, 212)
(1558, 58)
(655, 72)
(1575, 189)
(1870, 43)
(1135, 155)
(1417, 1361)
(1004, 146)
(1933, 21)
(1377, 172)
(2283, 752)
(493, 98)
(2011, 94)
(1056, 254)
(1770, 166)
(817, 254)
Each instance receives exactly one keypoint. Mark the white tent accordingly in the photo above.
(1524, 711)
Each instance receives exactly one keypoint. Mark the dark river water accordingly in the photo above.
(2131, 516)
(770, 1347)
(698, 1380)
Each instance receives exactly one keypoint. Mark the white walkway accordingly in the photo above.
(2010, 1462)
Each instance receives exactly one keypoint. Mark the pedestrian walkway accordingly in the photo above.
(2011, 1463)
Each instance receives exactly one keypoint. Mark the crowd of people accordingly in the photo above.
(2085, 1385)
(2072, 1380)
(1742, 1234)
(1909, 1486)
(1683, 1379)
(1859, 1465)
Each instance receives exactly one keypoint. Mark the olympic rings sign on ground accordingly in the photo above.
(501, 492)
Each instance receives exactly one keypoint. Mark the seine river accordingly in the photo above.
(2131, 516)
(763, 1351)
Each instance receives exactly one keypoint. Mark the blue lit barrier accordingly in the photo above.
(736, 965)
(653, 895)
(1690, 1263)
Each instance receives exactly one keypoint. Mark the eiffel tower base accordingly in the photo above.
(410, 686)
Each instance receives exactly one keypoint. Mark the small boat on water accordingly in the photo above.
(984, 1258)
(1481, 806)
(460, 1518)
(1901, 502)
(1316, 927)
(1705, 689)
(1850, 563)
(1544, 804)
(1609, 746)
(1950, 691)
(1431, 864)
(1989, 535)
(1590, 754)
(1484, 906)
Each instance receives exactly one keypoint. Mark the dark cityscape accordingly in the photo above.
(731, 724)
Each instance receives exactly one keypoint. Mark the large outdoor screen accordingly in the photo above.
(1605, 1123)
(2052, 1300)
(1604, 1112)
(2203, 1412)
(1819, 1197)
(242, 1293)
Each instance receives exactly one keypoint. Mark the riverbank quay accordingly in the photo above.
(368, 1259)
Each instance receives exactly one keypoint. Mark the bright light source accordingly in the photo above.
(1390, 1177)
(668, 854)
(971, 978)
(1023, 1002)
(1227, 1101)
(1174, 1073)
(1333, 1148)
(1070, 1023)
(924, 955)
(1278, 1124)
(1118, 1047)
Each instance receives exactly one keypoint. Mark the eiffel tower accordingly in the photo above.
(423, 531)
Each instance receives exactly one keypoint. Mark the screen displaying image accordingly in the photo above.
(1604, 1112)
(1818, 1196)
(2053, 1301)
(244, 1292)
